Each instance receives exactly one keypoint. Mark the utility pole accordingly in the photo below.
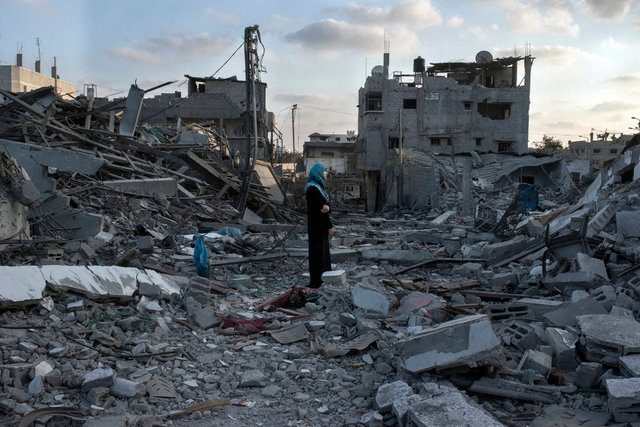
(293, 127)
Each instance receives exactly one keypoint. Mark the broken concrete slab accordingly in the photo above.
(587, 374)
(449, 407)
(539, 307)
(369, 298)
(606, 337)
(630, 365)
(567, 313)
(592, 265)
(132, 108)
(498, 250)
(467, 341)
(624, 399)
(515, 390)
(577, 279)
(627, 223)
(388, 392)
(398, 256)
(145, 187)
(537, 361)
(20, 284)
(601, 219)
(564, 348)
(290, 334)
(78, 225)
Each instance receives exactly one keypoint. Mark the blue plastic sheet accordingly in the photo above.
(231, 231)
(201, 258)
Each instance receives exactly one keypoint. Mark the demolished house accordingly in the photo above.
(134, 292)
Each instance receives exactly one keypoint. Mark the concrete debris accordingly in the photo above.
(426, 318)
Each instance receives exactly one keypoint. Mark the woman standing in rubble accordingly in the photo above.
(319, 224)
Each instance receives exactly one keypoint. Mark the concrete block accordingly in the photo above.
(601, 219)
(206, 318)
(467, 341)
(388, 392)
(442, 218)
(625, 301)
(500, 249)
(605, 295)
(624, 399)
(368, 298)
(145, 244)
(630, 365)
(20, 284)
(567, 313)
(564, 347)
(536, 361)
(577, 279)
(593, 265)
(587, 375)
(98, 378)
(145, 187)
(627, 223)
(449, 407)
(338, 277)
(520, 334)
(539, 307)
(508, 311)
(606, 337)
(621, 312)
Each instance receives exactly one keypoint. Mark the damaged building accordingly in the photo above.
(447, 108)
(19, 79)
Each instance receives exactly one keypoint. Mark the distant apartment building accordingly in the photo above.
(446, 108)
(598, 151)
(18, 79)
(336, 151)
(221, 100)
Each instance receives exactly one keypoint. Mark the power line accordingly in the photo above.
(327, 109)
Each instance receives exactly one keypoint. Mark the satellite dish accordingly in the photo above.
(483, 57)
(378, 70)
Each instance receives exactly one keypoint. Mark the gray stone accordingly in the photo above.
(347, 319)
(125, 388)
(467, 341)
(272, 390)
(254, 378)
(630, 365)
(206, 318)
(150, 290)
(449, 408)
(593, 265)
(98, 378)
(567, 313)
(18, 395)
(537, 361)
(401, 405)
(54, 378)
(587, 374)
(145, 244)
(97, 395)
(368, 298)
(606, 337)
(624, 399)
(36, 386)
(42, 369)
(564, 347)
(627, 223)
(387, 392)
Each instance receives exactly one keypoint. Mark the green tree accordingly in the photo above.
(548, 144)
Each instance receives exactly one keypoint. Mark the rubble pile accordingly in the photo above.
(162, 305)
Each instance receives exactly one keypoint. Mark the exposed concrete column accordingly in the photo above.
(527, 71)
(467, 203)
(371, 187)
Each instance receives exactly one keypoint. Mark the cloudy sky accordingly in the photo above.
(586, 73)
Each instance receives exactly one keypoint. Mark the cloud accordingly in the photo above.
(136, 55)
(158, 49)
(478, 32)
(555, 55)
(332, 37)
(43, 7)
(610, 43)
(633, 78)
(294, 98)
(454, 22)
(610, 106)
(545, 17)
(416, 14)
(608, 10)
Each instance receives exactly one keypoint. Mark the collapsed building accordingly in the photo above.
(447, 108)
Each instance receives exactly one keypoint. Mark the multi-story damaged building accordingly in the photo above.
(447, 108)
(18, 79)
(221, 100)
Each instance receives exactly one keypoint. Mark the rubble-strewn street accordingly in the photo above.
(136, 291)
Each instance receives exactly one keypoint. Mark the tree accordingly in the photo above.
(548, 144)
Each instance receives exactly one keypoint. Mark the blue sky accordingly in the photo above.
(586, 74)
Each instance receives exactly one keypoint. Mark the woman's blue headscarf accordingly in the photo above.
(316, 179)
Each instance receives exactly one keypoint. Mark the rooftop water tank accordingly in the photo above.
(419, 65)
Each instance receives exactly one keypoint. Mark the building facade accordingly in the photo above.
(447, 108)
(18, 79)
(598, 151)
(336, 151)
(221, 100)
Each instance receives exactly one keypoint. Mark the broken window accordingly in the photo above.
(326, 154)
(374, 101)
(596, 151)
(467, 106)
(613, 150)
(434, 141)
(478, 141)
(409, 104)
(394, 142)
(504, 146)
(494, 110)
(575, 177)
